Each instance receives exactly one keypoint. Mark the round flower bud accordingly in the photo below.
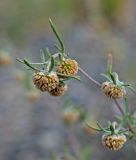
(32, 95)
(60, 90)
(45, 82)
(5, 60)
(113, 91)
(88, 130)
(114, 142)
(67, 67)
(19, 75)
(70, 116)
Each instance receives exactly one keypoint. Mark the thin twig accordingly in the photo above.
(119, 107)
(123, 114)
(89, 77)
(96, 83)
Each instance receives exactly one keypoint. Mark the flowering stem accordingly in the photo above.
(99, 85)
(123, 114)
(115, 101)
(89, 77)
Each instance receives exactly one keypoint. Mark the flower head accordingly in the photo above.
(5, 60)
(45, 82)
(70, 115)
(67, 67)
(60, 90)
(32, 95)
(114, 142)
(112, 90)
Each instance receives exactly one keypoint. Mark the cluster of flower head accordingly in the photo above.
(53, 82)
(52, 79)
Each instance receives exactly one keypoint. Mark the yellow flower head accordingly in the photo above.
(67, 67)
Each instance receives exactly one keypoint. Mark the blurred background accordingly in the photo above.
(31, 123)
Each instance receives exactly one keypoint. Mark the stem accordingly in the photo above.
(74, 144)
(99, 85)
(119, 107)
(123, 114)
(126, 105)
(89, 77)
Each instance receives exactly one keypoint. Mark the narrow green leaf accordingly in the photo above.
(30, 66)
(43, 58)
(57, 36)
(125, 85)
(116, 77)
(113, 79)
(20, 60)
(106, 76)
(101, 128)
(67, 76)
(109, 64)
(57, 47)
(52, 64)
(132, 89)
(96, 129)
(48, 53)
(112, 129)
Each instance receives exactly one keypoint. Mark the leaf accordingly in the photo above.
(57, 36)
(109, 64)
(125, 85)
(57, 47)
(20, 60)
(116, 77)
(96, 129)
(102, 129)
(112, 129)
(106, 76)
(113, 79)
(67, 76)
(43, 56)
(48, 53)
(30, 66)
(132, 89)
(52, 64)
